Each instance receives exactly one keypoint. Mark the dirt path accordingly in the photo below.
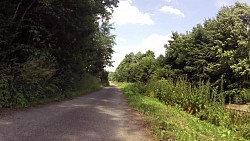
(100, 116)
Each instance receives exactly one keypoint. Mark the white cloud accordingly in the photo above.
(171, 10)
(154, 42)
(126, 13)
(168, 0)
(118, 56)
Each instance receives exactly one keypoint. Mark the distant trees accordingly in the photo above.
(217, 51)
(136, 67)
(47, 45)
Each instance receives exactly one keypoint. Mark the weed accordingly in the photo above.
(171, 123)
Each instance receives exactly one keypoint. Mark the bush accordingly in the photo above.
(245, 96)
(21, 92)
(215, 114)
(181, 93)
(239, 122)
(104, 76)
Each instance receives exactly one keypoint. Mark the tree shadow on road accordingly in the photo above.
(100, 116)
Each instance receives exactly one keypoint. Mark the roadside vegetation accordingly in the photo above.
(175, 122)
(217, 51)
(184, 93)
(50, 47)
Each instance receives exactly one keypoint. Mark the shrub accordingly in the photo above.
(245, 96)
(182, 93)
(215, 114)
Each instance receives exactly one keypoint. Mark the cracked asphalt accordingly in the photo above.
(99, 116)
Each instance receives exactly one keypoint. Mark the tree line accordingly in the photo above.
(217, 51)
(46, 46)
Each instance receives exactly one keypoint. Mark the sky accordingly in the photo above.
(141, 25)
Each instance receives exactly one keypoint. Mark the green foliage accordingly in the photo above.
(111, 76)
(219, 47)
(136, 68)
(170, 123)
(191, 98)
(86, 85)
(104, 76)
(216, 51)
(245, 96)
(201, 101)
(215, 114)
(49, 45)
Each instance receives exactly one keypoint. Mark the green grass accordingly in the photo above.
(171, 123)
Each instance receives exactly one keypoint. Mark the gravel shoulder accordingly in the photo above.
(99, 116)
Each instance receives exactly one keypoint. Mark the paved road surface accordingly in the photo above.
(100, 116)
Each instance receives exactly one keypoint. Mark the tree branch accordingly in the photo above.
(17, 10)
(26, 10)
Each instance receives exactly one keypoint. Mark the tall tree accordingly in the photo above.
(217, 49)
(47, 45)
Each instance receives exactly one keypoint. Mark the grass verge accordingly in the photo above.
(170, 123)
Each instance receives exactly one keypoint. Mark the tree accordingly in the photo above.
(48, 45)
(136, 68)
(217, 49)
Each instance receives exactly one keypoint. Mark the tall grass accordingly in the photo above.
(181, 93)
(200, 100)
(171, 123)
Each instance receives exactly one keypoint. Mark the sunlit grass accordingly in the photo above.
(171, 123)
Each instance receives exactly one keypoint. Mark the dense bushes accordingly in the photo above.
(181, 93)
(29, 94)
(46, 47)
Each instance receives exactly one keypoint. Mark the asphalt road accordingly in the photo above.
(99, 116)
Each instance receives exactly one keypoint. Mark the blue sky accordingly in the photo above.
(142, 25)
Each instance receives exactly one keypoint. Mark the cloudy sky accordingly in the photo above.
(142, 25)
